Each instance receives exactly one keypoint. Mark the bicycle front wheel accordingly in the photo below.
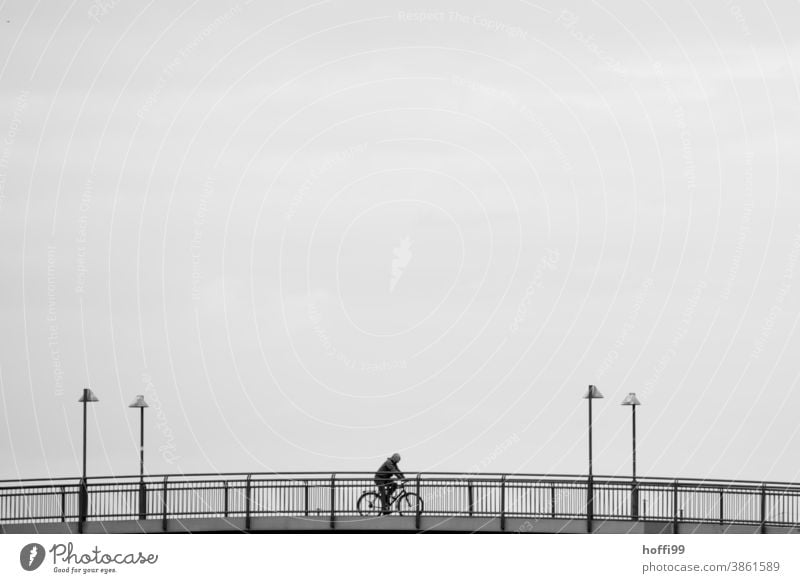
(409, 504)
(369, 504)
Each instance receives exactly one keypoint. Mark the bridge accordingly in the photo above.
(451, 502)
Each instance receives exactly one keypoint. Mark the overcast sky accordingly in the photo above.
(313, 234)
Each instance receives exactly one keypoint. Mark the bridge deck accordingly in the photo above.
(387, 524)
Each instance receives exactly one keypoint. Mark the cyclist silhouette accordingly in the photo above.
(384, 479)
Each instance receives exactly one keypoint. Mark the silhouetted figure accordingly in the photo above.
(384, 479)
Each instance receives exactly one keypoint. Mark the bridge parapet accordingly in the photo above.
(335, 497)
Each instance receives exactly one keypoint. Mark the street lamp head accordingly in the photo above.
(593, 393)
(631, 400)
(139, 402)
(88, 397)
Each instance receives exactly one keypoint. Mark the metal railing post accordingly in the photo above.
(589, 501)
(164, 505)
(470, 498)
(418, 514)
(63, 504)
(333, 501)
(142, 500)
(83, 504)
(675, 507)
(226, 503)
(721, 501)
(305, 490)
(503, 502)
(552, 500)
(763, 527)
(635, 500)
(247, 492)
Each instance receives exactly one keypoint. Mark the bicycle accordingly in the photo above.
(406, 503)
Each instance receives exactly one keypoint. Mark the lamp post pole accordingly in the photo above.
(591, 473)
(83, 473)
(591, 394)
(632, 402)
(141, 444)
(633, 440)
(83, 494)
(590, 497)
(140, 404)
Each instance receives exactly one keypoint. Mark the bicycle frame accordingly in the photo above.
(399, 491)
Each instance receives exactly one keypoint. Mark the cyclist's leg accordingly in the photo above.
(382, 491)
(390, 488)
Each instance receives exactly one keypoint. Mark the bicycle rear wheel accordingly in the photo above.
(369, 504)
(409, 504)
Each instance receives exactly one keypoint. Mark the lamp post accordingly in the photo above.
(83, 495)
(591, 394)
(140, 404)
(631, 401)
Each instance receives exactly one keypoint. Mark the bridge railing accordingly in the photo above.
(331, 495)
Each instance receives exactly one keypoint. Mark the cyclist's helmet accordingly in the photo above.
(395, 457)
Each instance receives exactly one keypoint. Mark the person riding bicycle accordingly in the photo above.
(383, 479)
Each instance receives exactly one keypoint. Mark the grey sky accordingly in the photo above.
(316, 234)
